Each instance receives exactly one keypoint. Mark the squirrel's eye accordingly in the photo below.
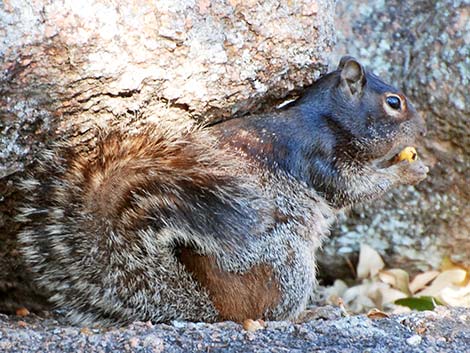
(394, 102)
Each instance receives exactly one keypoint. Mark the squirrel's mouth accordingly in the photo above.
(397, 154)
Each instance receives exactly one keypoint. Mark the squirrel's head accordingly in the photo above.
(371, 120)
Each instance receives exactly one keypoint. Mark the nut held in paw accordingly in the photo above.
(408, 153)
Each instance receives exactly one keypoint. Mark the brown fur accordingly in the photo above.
(236, 296)
(217, 223)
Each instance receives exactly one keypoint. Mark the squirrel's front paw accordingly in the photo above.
(411, 173)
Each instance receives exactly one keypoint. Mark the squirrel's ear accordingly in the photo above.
(353, 77)
(343, 61)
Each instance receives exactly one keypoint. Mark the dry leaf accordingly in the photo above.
(377, 314)
(421, 280)
(370, 294)
(370, 262)
(397, 278)
(398, 309)
(382, 288)
(456, 296)
(445, 279)
(357, 297)
(389, 295)
(448, 264)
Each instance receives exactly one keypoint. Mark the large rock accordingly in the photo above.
(422, 47)
(89, 62)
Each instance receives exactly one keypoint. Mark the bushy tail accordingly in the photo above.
(100, 227)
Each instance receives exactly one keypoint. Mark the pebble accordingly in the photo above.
(414, 340)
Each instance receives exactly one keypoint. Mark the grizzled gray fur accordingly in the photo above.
(221, 223)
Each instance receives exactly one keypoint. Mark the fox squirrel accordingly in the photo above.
(221, 223)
